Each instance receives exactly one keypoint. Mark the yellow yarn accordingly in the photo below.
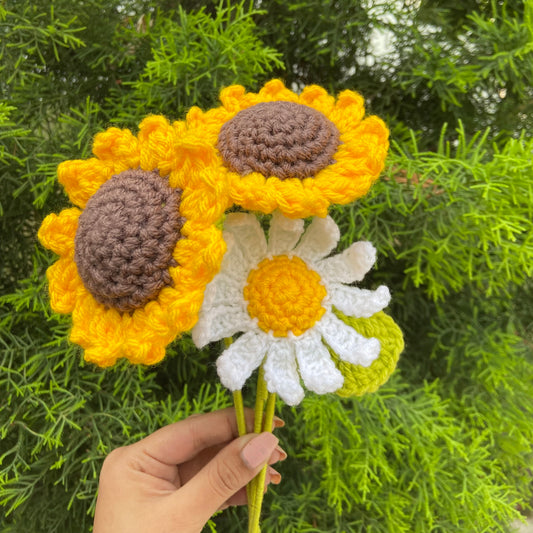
(359, 380)
(142, 335)
(284, 295)
(357, 163)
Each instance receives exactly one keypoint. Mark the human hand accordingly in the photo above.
(176, 478)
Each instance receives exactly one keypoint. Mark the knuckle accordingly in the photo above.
(115, 459)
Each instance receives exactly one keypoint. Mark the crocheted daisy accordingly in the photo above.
(295, 153)
(282, 295)
(140, 247)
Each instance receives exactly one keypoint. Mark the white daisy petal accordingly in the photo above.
(219, 322)
(281, 372)
(248, 234)
(284, 234)
(239, 360)
(349, 266)
(236, 262)
(223, 289)
(319, 239)
(359, 303)
(317, 369)
(347, 343)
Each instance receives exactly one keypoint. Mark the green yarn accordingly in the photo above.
(359, 380)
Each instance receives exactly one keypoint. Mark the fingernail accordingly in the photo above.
(282, 453)
(278, 422)
(275, 476)
(258, 450)
(277, 455)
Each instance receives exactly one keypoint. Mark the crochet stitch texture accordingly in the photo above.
(161, 249)
(273, 172)
(140, 257)
(297, 349)
(273, 287)
(359, 380)
(125, 239)
(281, 139)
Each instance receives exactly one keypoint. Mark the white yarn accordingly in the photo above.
(318, 371)
(236, 263)
(348, 266)
(347, 343)
(220, 322)
(284, 234)
(319, 240)
(248, 234)
(281, 372)
(291, 358)
(359, 303)
(240, 359)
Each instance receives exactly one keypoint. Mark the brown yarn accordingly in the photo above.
(281, 139)
(125, 239)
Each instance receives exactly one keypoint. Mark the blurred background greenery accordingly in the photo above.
(446, 445)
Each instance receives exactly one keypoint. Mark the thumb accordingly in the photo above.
(229, 471)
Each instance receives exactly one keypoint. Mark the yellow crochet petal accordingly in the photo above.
(297, 198)
(98, 330)
(252, 192)
(233, 98)
(119, 149)
(150, 125)
(146, 353)
(200, 254)
(82, 178)
(64, 285)
(180, 128)
(142, 335)
(157, 139)
(203, 154)
(100, 354)
(148, 334)
(349, 110)
(343, 183)
(356, 164)
(275, 90)
(57, 232)
(368, 143)
(210, 120)
(359, 380)
(359, 162)
(203, 202)
(318, 98)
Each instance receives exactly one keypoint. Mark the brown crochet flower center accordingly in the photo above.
(125, 239)
(281, 139)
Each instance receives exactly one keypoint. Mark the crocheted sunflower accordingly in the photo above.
(296, 153)
(140, 247)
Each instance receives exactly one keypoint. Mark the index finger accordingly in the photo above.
(181, 441)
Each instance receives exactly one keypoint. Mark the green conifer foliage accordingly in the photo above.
(446, 445)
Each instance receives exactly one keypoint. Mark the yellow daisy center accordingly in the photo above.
(284, 295)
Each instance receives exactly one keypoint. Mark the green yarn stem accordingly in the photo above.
(260, 399)
(260, 479)
(241, 426)
(237, 401)
(239, 412)
(260, 395)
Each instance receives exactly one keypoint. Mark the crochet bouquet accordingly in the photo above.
(149, 251)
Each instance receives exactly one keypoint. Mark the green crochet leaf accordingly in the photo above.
(359, 380)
